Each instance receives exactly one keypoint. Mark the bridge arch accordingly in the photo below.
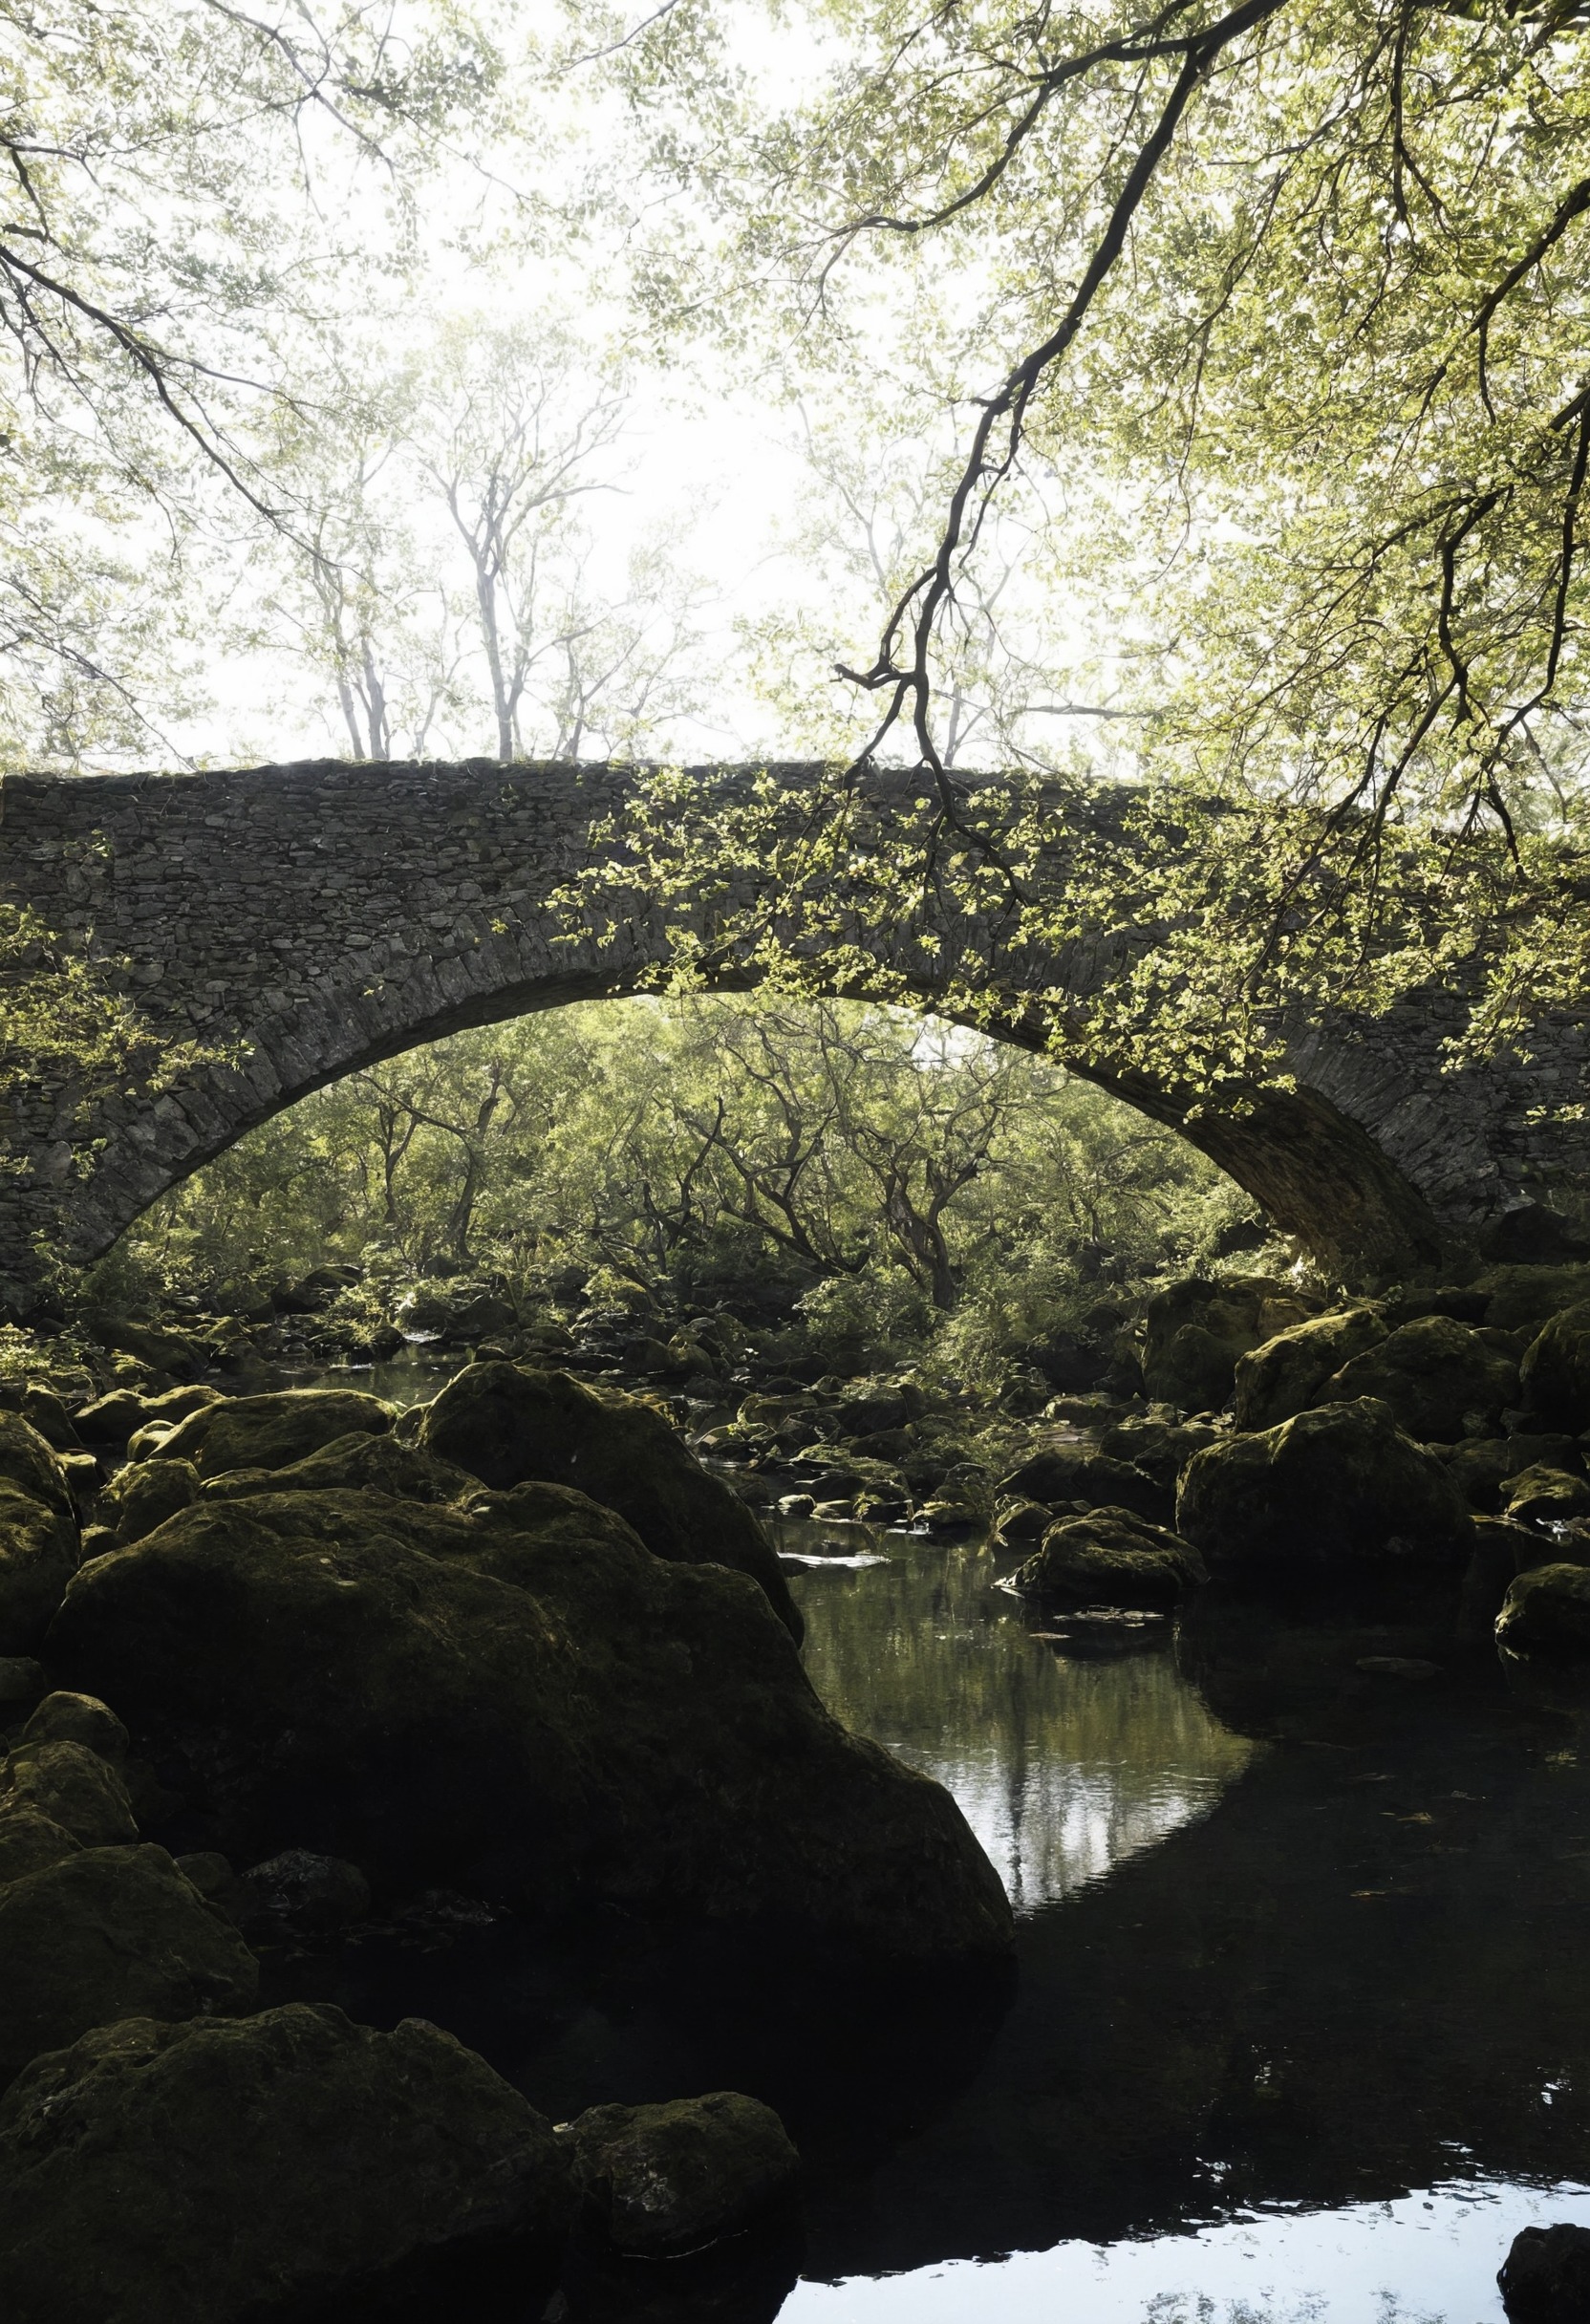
(303, 921)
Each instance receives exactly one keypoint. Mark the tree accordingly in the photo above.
(1290, 301)
(190, 181)
(512, 431)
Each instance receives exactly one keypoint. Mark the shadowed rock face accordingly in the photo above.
(522, 1702)
(511, 1426)
(1335, 1490)
(215, 2173)
(443, 914)
(108, 1933)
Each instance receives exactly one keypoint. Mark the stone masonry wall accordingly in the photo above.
(308, 919)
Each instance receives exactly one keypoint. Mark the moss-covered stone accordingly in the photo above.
(1328, 1491)
(272, 1432)
(143, 1494)
(662, 2179)
(358, 1463)
(1555, 1374)
(1065, 1475)
(39, 1549)
(65, 1717)
(73, 1786)
(1548, 1611)
(1437, 1377)
(1018, 1523)
(1543, 1496)
(1196, 1331)
(105, 1934)
(1160, 1448)
(1283, 1376)
(1523, 1298)
(1111, 1558)
(213, 2172)
(507, 1427)
(33, 1467)
(521, 1701)
(30, 1842)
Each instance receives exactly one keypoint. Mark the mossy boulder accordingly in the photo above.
(518, 1701)
(1065, 1473)
(1332, 1489)
(1555, 1374)
(1523, 1298)
(1441, 1379)
(358, 1463)
(658, 2180)
(1547, 1611)
(1541, 1494)
(32, 1466)
(1484, 1466)
(209, 2173)
(30, 1842)
(113, 1419)
(510, 1426)
(272, 1432)
(108, 1933)
(1160, 1448)
(1545, 2277)
(1196, 1331)
(143, 1494)
(39, 1549)
(1110, 1557)
(65, 1717)
(1284, 1375)
(73, 1786)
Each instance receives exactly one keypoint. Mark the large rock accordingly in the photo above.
(31, 1466)
(108, 1933)
(208, 2173)
(1547, 1611)
(1197, 1329)
(521, 1701)
(1283, 1376)
(39, 1548)
(271, 1432)
(1110, 1557)
(358, 1463)
(1328, 1491)
(1441, 1379)
(73, 1786)
(510, 1426)
(1542, 1495)
(1065, 1473)
(31, 1843)
(1484, 1466)
(1520, 1298)
(1545, 2277)
(144, 1493)
(1556, 1372)
(662, 2179)
(1160, 1448)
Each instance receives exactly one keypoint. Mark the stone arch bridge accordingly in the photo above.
(309, 919)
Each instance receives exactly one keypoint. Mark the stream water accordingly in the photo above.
(1302, 2024)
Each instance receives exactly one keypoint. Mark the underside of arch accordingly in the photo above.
(1316, 1174)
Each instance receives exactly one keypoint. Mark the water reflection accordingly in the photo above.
(1064, 1759)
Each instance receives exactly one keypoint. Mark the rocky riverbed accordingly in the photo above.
(281, 1662)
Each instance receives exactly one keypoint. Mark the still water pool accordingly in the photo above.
(1302, 2023)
